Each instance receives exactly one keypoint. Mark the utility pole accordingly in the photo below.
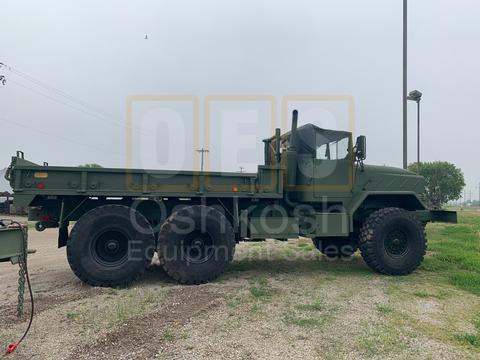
(404, 111)
(478, 203)
(242, 169)
(202, 151)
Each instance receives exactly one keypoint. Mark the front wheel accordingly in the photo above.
(392, 241)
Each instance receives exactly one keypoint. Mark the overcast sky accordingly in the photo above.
(73, 65)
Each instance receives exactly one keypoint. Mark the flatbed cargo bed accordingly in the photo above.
(30, 180)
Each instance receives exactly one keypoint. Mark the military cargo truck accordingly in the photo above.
(312, 184)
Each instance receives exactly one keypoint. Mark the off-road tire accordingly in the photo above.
(196, 230)
(336, 247)
(393, 241)
(91, 246)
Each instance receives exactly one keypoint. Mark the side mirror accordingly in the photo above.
(361, 148)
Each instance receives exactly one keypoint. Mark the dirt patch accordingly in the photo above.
(43, 302)
(144, 336)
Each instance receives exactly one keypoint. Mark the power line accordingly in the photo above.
(95, 113)
(112, 122)
(63, 102)
(54, 89)
(49, 134)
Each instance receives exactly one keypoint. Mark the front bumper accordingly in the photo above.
(444, 216)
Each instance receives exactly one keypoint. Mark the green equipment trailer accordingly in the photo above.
(12, 242)
(313, 184)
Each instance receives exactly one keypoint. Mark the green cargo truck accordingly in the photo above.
(313, 184)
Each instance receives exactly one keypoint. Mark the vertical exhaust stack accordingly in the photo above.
(266, 145)
(278, 154)
(293, 132)
(292, 152)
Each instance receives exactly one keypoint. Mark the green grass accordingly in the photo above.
(293, 258)
(381, 340)
(308, 315)
(260, 289)
(305, 246)
(233, 300)
(422, 294)
(306, 323)
(304, 319)
(73, 315)
(168, 335)
(453, 257)
(385, 309)
(441, 294)
(470, 339)
(466, 281)
(316, 306)
(116, 307)
(455, 252)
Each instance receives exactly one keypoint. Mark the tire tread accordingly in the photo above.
(104, 209)
(192, 279)
(367, 243)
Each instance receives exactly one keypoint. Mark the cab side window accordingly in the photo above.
(334, 150)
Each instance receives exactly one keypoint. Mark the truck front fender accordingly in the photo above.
(407, 200)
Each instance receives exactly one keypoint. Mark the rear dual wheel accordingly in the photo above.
(196, 244)
(113, 245)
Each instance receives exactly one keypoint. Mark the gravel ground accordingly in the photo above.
(279, 300)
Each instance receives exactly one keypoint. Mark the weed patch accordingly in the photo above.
(385, 309)
(455, 252)
(261, 290)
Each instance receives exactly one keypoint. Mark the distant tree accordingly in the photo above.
(93, 165)
(444, 182)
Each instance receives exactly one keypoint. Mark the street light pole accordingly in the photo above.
(404, 109)
(418, 136)
(416, 96)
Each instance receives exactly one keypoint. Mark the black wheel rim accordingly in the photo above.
(110, 248)
(198, 247)
(397, 243)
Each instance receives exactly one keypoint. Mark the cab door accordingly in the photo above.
(333, 167)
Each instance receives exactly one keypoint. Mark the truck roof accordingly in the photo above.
(309, 135)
